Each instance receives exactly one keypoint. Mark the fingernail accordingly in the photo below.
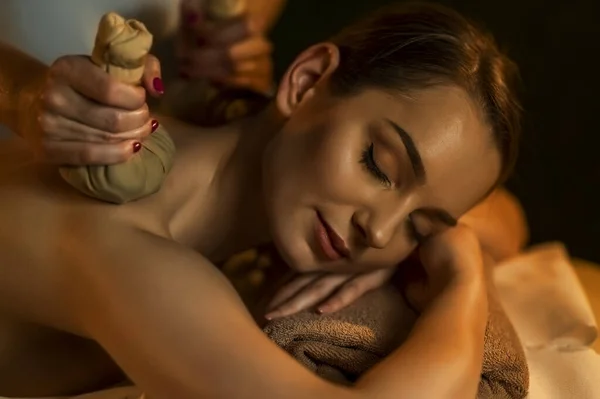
(323, 309)
(191, 18)
(154, 125)
(137, 146)
(158, 85)
(272, 315)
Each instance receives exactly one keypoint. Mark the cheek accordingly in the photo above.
(332, 166)
(321, 164)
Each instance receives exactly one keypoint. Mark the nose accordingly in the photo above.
(378, 226)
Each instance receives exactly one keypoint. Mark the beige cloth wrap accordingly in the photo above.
(120, 49)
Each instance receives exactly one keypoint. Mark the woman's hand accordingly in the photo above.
(82, 116)
(451, 257)
(329, 292)
(235, 52)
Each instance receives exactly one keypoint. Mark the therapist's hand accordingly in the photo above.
(236, 53)
(85, 117)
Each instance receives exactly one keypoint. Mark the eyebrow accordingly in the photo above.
(413, 154)
(419, 170)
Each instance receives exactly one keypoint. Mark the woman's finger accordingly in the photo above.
(309, 296)
(347, 294)
(79, 153)
(290, 289)
(354, 289)
(152, 78)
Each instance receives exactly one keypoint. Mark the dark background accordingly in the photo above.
(556, 46)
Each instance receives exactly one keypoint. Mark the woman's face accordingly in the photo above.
(355, 183)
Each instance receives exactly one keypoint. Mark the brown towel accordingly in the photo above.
(505, 373)
(342, 346)
(121, 49)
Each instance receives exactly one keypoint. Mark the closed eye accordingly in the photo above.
(368, 160)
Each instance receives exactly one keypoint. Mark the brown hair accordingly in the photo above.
(416, 45)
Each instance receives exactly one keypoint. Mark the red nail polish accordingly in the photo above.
(154, 125)
(158, 85)
(137, 146)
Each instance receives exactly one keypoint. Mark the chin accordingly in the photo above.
(289, 234)
(297, 259)
(296, 253)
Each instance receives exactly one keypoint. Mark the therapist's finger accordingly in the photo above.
(58, 128)
(152, 79)
(66, 102)
(255, 46)
(79, 153)
(92, 82)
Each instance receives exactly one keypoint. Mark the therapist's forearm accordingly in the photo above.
(18, 74)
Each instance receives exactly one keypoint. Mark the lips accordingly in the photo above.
(332, 245)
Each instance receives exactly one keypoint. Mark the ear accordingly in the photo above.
(309, 69)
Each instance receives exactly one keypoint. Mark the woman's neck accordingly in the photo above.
(239, 185)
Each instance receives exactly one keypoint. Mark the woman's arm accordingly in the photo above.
(500, 224)
(179, 330)
(17, 89)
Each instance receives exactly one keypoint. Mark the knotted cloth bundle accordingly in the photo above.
(120, 49)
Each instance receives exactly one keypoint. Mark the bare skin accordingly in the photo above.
(138, 279)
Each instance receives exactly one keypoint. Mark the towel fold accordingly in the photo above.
(342, 346)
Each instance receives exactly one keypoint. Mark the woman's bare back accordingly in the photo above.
(40, 215)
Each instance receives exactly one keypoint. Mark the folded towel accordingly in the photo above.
(342, 346)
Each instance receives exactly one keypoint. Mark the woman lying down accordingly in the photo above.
(387, 138)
